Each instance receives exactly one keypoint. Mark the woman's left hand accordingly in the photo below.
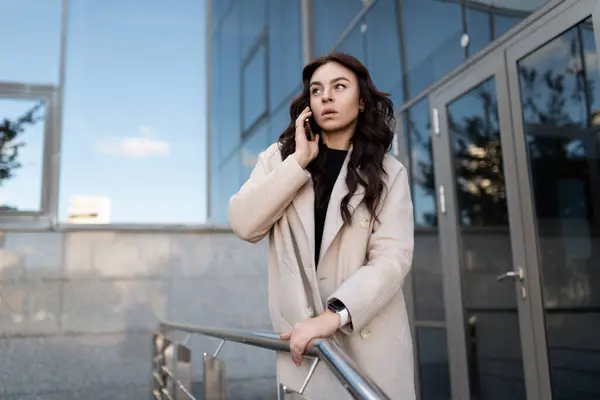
(321, 327)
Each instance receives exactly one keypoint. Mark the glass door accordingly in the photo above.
(555, 94)
(481, 230)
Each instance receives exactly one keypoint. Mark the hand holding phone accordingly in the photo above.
(307, 142)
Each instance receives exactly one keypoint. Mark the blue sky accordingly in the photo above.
(134, 103)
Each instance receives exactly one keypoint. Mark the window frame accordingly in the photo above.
(45, 217)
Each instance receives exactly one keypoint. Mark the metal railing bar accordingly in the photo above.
(359, 386)
(313, 367)
(347, 372)
(218, 350)
(177, 382)
(166, 393)
(265, 340)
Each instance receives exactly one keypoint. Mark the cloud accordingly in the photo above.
(144, 145)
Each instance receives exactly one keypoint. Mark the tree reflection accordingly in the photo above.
(11, 143)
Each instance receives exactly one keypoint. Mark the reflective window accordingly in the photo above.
(354, 43)
(417, 133)
(22, 124)
(331, 19)
(230, 181)
(479, 28)
(559, 92)
(228, 108)
(382, 38)
(253, 15)
(431, 53)
(252, 147)
(278, 122)
(31, 40)
(134, 105)
(433, 364)
(285, 51)
(254, 91)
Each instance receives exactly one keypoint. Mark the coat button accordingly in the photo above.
(365, 223)
(309, 311)
(365, 333)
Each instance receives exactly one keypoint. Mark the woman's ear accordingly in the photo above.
(361, 105)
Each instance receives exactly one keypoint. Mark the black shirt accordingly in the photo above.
(334, 159)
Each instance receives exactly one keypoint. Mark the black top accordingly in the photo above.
(334, 159)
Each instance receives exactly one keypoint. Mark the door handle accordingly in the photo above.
(516, 274)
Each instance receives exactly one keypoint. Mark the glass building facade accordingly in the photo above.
(497, 124)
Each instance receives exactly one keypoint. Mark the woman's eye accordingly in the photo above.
(340, 86)
(315, 91)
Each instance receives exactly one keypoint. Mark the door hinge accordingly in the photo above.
(442, 199)
(436, 121)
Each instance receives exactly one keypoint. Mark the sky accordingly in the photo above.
(134, 107)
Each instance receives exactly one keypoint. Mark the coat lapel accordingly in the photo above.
(333, 219)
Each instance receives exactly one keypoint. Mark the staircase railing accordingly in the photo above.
(172, 376)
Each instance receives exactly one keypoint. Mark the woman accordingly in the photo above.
(338, 213)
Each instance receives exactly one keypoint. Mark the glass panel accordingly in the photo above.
(354, 43)
(434, 372)
(382, 38)
(427, 278)
(134, 110)
(331, 19)
(229, 183)
(31, 40)
(22, 124)
(559, 94)
(431, 53)
(230, 86)
(278, 122)
(251, 148)
(253, 16)
(418, 139)
(479, 28)
(493, 342)
(255, 88)
(285, 50)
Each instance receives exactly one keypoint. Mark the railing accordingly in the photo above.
(172, 374)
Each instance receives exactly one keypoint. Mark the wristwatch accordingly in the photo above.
(339, 308)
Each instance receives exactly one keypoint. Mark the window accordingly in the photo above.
(331, 18)
(382, 38)
(252, 147)
(31, 41)
(24, 121)
(253, 16)
(431, 53)
(285, 51)
(354, 43)
(134, 103)
(433, 364)
(254, 91)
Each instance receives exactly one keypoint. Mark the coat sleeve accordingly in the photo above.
(389, 258)
(263, 198)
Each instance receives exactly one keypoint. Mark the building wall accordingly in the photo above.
(77, 309)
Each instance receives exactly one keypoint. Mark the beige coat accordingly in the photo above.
(363, 265)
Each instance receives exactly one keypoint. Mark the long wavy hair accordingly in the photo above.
(371, 140)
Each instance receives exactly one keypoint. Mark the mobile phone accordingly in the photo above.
(310, 126)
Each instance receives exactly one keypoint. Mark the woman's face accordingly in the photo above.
(334, 97)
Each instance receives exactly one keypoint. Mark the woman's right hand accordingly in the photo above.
(306, 150)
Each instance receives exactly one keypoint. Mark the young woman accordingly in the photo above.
(339, 217)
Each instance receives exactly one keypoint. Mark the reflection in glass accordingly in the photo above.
(434, 370)
(493, 339)
(331, 18)
(559, 95)
(134, 109)
(251, 148)
(417, 133)
(427, 277)
(354, 43)
(254, 91)
(21, 154)
(30, 45)
(431, 53)
(479, 28)
(285, 51)
(382, 38)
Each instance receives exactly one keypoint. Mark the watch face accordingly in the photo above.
(335, 307)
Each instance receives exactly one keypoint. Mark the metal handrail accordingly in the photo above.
(354, 381)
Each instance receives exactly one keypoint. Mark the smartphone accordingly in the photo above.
(310, 126)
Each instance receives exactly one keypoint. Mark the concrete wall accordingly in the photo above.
(77, 310)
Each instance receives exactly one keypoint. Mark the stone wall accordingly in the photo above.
(77, 310)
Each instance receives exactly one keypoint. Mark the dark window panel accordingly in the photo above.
(434, 371)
